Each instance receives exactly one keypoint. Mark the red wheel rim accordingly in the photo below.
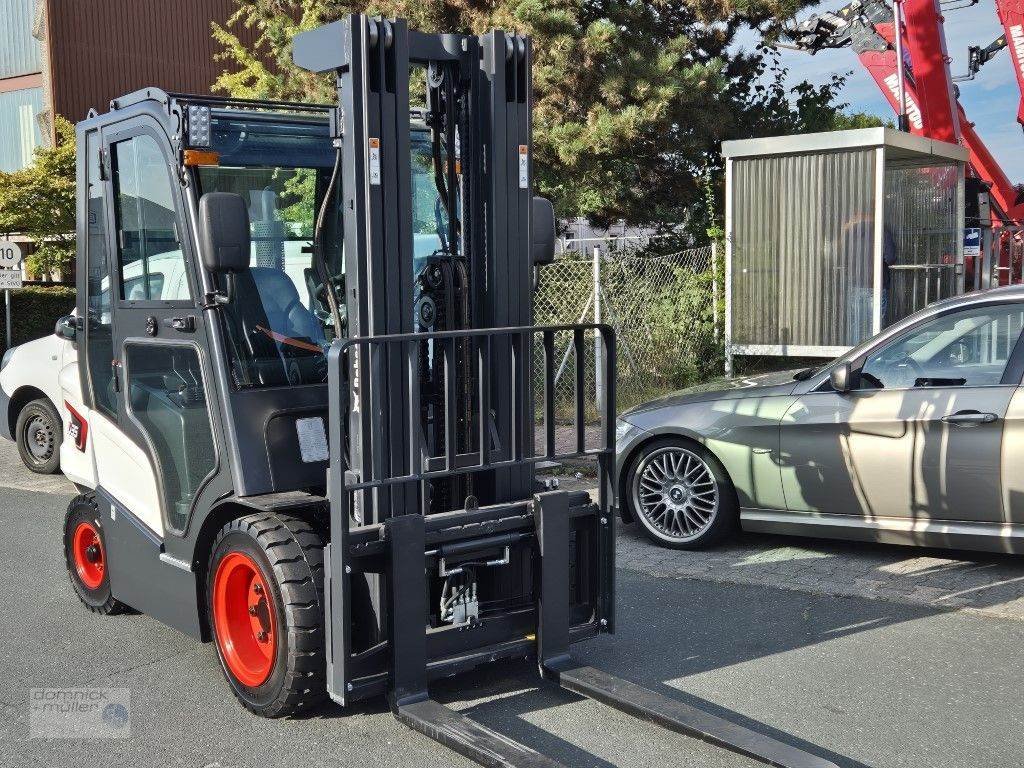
(87, 550)
(243, 618)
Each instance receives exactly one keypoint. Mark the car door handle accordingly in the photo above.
(969, 418)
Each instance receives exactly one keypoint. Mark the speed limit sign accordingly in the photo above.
(10, 255)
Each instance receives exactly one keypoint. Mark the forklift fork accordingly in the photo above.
(556, 663)
(413, 706)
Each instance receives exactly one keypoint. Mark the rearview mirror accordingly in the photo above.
(543, 251)
(841, 377)
(224, 232)
(66, 328)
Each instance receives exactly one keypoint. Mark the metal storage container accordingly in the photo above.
(832, 236)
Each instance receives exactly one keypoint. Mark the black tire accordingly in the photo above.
(289, 556)
(39, 433)
(96, 596)
(723, 519)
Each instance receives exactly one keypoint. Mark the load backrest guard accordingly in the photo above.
(431, 480)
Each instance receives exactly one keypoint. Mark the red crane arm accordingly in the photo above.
(987, 168)
(932, 108)
(929, 117)
(881, 65)
(927, 46)
(1011, 15)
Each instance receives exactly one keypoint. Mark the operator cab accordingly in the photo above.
(154, 347)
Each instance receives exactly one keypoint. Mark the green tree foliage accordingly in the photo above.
(39, 202)
(771, 107)
(631, 98)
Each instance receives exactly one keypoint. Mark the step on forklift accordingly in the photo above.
(305, 429)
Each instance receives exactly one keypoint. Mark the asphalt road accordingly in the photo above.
(864, 682)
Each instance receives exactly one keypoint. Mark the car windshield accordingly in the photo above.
(279, 324)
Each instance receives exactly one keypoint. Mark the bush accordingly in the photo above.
(35, 310)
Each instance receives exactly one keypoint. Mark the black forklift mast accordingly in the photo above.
(478, 110)
(444, 554)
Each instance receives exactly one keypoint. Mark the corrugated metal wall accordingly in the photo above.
(101, 50)
(19, 130)
(19, 51)
(802, 248)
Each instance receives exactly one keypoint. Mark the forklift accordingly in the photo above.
(306, 424)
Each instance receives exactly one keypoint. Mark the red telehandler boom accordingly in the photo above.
(930, 104)
(1011, 15)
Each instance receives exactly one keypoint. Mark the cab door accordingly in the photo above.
(921, 434)
(156, 451)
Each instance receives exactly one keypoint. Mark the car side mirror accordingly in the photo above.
(224, 238)
(841, 378)
(543, 250)
(66, 328)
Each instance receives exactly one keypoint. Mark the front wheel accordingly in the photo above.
(680, 495)
(265, 597)
(85, 554)
(39, 433)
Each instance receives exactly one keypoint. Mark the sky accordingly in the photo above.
(990, 100)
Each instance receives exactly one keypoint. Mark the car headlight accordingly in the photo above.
(6, 358)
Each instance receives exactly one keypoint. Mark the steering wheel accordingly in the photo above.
(910, 363)
(905, 361)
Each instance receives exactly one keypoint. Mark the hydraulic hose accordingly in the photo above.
(318, 247)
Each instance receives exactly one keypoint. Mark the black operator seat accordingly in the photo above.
(276, 327)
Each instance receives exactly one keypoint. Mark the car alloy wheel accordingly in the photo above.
(675, 490)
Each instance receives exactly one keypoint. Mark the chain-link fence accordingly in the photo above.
(667, 312)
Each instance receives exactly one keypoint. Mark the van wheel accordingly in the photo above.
(39, 433)
(85, 554)
(681, 495)
(265, 598)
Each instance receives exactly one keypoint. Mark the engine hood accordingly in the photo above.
(762, 385)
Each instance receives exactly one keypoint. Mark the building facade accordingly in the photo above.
(66, 56)
(21, 84)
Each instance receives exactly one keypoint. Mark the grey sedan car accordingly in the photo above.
(914, 437)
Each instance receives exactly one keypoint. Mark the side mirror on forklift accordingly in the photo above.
(66, 328)
(224, 232)
(543, 250)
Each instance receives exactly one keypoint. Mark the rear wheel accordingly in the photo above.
(265, 598)
(85, 554)
(39, 434)
(680, 495)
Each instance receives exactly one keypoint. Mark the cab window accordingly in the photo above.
(970, 348)
(150, 261)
